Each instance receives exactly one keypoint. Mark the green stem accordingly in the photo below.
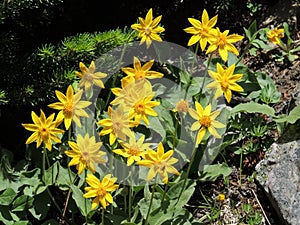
(206, 72)
(102, 220)
(150, 204)
(190, 81)
(164, 194)
(241, 162)
(130, 194)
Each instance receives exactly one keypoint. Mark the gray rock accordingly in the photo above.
(279, 175)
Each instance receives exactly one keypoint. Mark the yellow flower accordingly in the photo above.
(148, 29)
(221, 197)
(275, 35)
(205, 120)
(200, 30)
(141, 72)
(223, 42)
(100, 190)
(159, 163)
(44, 130)
(117, 125)
(133, 150)
(70, 106)
(225, 81)
(143, 108)
(89, 77)
(85, 153)
(182, 106)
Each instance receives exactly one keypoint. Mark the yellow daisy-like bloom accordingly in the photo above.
(133, 150)
(275, 35)
(200, 30)
(225, 81)
(117, 126)
(223, 42)
(205, 121)
(89, 77)
(148, 28)
(182, 106)
(159, 163)
(221, 197)
(100, 190)
(141, 72)
(70, 106)
(143, 108)
(44, 130)
(85, 153)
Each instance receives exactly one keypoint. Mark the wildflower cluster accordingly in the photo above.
(133, 108)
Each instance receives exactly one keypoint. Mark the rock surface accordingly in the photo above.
(279, 175)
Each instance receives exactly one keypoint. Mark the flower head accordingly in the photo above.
(223, 42)
(205, 121)
(141, 72)
(117, 125)
(221, 197)
(200, 30)
(133, 150)
(85, 153)
(148, 28)
(225, 81)
(100, 190)
(275, 35)
(159, 163)
(89, 77)
(70, 106)
(44, 130)
(182, 106)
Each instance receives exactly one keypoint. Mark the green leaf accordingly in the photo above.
(253, 107)
(41, 206)
(51, 174)
(21, 222)
(64, 178)
(156, 125)
(251, 31)
(292, 117)
(22, 203)
(6, 216)
(82, 203)
(212, 172)
(7, 196)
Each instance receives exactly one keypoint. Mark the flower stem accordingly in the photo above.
(130, 194)
(206, 72)
(150, 204)
(102, 217)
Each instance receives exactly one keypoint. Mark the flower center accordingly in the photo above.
(117, 126)
(85, 156)
(204, 32)
(101, 191)
(134, 151)
(68, 108)
(182, 106)
(44, 133)
(222, 41)
(224, 83)
(139, 108)
(139, 75)
(159, 166)
(148, 30)
(205, 121)
(88, 77)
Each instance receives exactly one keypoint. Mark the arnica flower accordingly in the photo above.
(89, 76)
(44, 130)
(148, 29)
(205, 121)
(182, 106)
(85, 153)
(275, 35)
(133, 150)
(100, 190)
(130, 90)
(142, 72)
(225, 81)
(223, 42)
(70, 106)
(159, 163)
(200, 30)
(117, 125)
